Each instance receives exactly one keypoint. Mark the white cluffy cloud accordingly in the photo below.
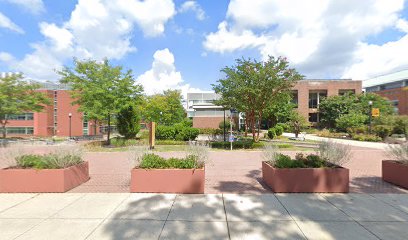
(320, 37)
(96, 29)
(5, 22)
(194, 7)
(163, 75)
(33, 6)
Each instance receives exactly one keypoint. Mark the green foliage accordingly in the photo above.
(271, 133)
(350, 120)
(165, 109)
(227, 125)
(177, 132)
(128, 122)
(100, 89)
(284, 126)
(242, 144)
(169, 142)
(211, 131)
(123, 142)
(153, 161)
(300, 161)
(366, 137)
(278, 130)
(333, 107)
(383, 131)
(48, 161)
(251, 86)
(400, 125)
(18, 96)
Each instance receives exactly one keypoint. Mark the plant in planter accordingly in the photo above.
(307, 173)
(154, 173)
(58, 171)
(396, 171)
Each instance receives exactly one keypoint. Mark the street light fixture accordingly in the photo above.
(70, 122)
(370, 103)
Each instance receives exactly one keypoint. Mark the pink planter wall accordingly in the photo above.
(395, 173)
(167, 180)
(45, 180)
(297, 180)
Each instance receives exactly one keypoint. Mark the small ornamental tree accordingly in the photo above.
(251, 86)
(19, 96)
(128, 122)
(298, 123)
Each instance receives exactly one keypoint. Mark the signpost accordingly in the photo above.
(375, 112)
(152, 134)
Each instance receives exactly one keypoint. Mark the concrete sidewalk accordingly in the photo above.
(375, 145)
(211, 216)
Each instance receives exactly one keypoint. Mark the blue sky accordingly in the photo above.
(184, 44)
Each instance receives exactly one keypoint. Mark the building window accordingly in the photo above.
(313, 117)
(345, 91)
(315, 97)
(21, 117)
(20, 130)
(295, 98)
(85, 127)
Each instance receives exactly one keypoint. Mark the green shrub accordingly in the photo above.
(246, 144)
(122, 142)
(48, 161)
(177, 132)
(278, 130)
(351, 120)
(258, 145)
(271, 133)
(165, 132)
(301, 161)
(400, 124)
(383, 131)
(284, 145)
(169, 142)
(285, 126)
(366, 137)
(31, 161)
(153, 161)
(357, 130)
(128, 122)
(227, 125)
(283, 161)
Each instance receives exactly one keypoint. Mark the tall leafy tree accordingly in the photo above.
(101, 89)
(251, 86)
(164, 108)
(19, 96)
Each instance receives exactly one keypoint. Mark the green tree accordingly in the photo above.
(251, 86)
(280, 111)
(351, 120)
(164, 108)
(18, 96)
(333, 107)
(298, 123)
(100, 89)
(128, 121)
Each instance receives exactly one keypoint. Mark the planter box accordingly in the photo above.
(44, 180)
(395, 172)
(167, 180)
(304, 180)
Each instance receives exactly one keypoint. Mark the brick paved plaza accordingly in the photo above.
(233, 172)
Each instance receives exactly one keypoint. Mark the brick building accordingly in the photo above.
(307, 95)
(393, 86)
(60, 118)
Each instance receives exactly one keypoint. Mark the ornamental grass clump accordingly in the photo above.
(399, 152)
(334, 153)
(63, 157)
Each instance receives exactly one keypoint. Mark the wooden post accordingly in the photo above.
(152, 134)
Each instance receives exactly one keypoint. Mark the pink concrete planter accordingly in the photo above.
(45, 180)
(395, 172)
(167, 180)
(299, 180)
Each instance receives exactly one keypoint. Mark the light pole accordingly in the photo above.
(70, 118)
(370, 103)
(224, 125)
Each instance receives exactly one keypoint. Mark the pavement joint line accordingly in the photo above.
(107, 217)
(387, 203)
(226, 216)
(375, 235)
(15, 205)
(49, 217)
(290, 215)
(168, 214)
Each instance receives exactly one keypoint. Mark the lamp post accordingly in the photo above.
(224, 125)
(70, 121)
(370, 103)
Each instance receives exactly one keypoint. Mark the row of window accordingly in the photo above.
(391, 85)
(19, 130)
(315, 96)
(23, 116)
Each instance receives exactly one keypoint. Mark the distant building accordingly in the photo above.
(307, 95)
(55, 118)
(393, 86)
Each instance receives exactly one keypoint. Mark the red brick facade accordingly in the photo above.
(207, 122)
(399, 95)
(43, 122)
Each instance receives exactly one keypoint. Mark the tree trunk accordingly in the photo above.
(259, 126)
(3, 126)
(4, 130)
(108, 140)
(95, 127)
